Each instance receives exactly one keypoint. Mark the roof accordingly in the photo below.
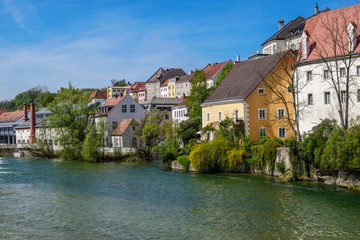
(11, 116)
(185, 78)
(293, 28)
(320, 36)
(98, 95)
(212, 69)
(121, 128)
(165, 83)
(2, 110)
(137, 86)
(162, 75)
(244, 77)
(170, 101)
(112, 102)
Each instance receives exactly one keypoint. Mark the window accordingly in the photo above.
(309, 75)
(281, 113)
(327, 98)
(262, 113)
(358, 95)
(326, 74)
(236, 114)
(261, 91)
(132, 108)
(342, 72)
(114, 125)
(262, 132)
(208, 117)
(220, 117)
(134, 142)
(343, 96)
(289, 90)
(358, 70)
(124, 108)
(310, 99)
(282, 132)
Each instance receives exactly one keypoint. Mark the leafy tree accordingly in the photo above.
(198, 94)
(91, 145)
(71, 118)
(188, 129)
(119, 83)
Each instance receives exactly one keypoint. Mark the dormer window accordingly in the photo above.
(261, 90)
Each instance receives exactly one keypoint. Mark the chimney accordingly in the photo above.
(183, 97)
(32, 123)
(25, 113)
(238, 58)
(316, 8)
(281, 24)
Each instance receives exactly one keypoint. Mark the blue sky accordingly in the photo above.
(90, 42)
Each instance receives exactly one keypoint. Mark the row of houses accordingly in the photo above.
(307, 71)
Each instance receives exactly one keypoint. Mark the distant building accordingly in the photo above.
(8, 122)
(171, 86)
(135, 90)
(113, 92)
(212, 71)
(179, 113)
(98, 96)
(153, 84)
(164, 89)
(142, 94)
(161, 104)
(2, 110)
(183, 85)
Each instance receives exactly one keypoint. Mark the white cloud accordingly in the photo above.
(21, 12)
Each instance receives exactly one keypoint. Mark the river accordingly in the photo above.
(53, 199)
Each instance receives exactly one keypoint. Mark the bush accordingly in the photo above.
(281, 167)
(268, 154)
(235, 158)
(184, 161)
(210, 157)
(342, 150)
(168, 156)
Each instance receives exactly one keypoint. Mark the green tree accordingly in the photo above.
(188, 129)
(119, 83)
(198, 94)
(71, 118)
(91, 145)
(221, 76)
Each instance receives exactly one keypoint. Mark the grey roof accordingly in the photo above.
(294, 27)
(244, 78)
(162, 75)
(185, 78)
(163, 101)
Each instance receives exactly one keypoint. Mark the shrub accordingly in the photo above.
(281, 167)
(235, 158)
(184, 161)
(168, 156)
(268, 154)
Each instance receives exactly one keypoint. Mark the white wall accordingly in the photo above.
(178, 114)
(311, 115)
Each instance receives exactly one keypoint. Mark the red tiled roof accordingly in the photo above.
(212, 69)
(322, 28)
(2, 110)
(165, 83)
(119, 131)
(11, 116)
(98, 95)
(111, 102)
(137, 86)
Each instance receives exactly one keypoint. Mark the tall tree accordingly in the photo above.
(70, 118)
(198, 94)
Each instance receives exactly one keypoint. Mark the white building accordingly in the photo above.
(126, 135)
(319, 67)
(164, 89)
(179, 113)
(118, 109)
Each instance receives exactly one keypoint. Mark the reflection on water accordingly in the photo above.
(43, 199)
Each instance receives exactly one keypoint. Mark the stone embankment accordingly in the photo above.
(342, 179)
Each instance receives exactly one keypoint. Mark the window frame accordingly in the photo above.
(278, 111)
(309, 75)
(310, 99)
(342, 72)
(326, 74)
(208, 117)
(260, 131)
(327, 97)
(220, 116)
(124, 108)
(132, 108)
(263, 91)
(280, 128)
(259, 115)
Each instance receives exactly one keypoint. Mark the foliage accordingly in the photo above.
(235, 158)
(184, 161)
(342, 151)
(268, 154)
(221, 76)
(188, 129)
(168, 156)
(198, 94)
(281, 167)
(267, 139)
(44, 147)
(188, 147)
(91, 145)
(119, 83)
(38, 95)
(210, 157)
(70, 117)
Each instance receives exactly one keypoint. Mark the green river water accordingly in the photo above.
(52, 199)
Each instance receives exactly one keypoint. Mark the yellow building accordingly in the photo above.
(249, 95)
(172, 87)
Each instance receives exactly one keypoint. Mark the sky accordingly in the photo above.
(88, 43)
